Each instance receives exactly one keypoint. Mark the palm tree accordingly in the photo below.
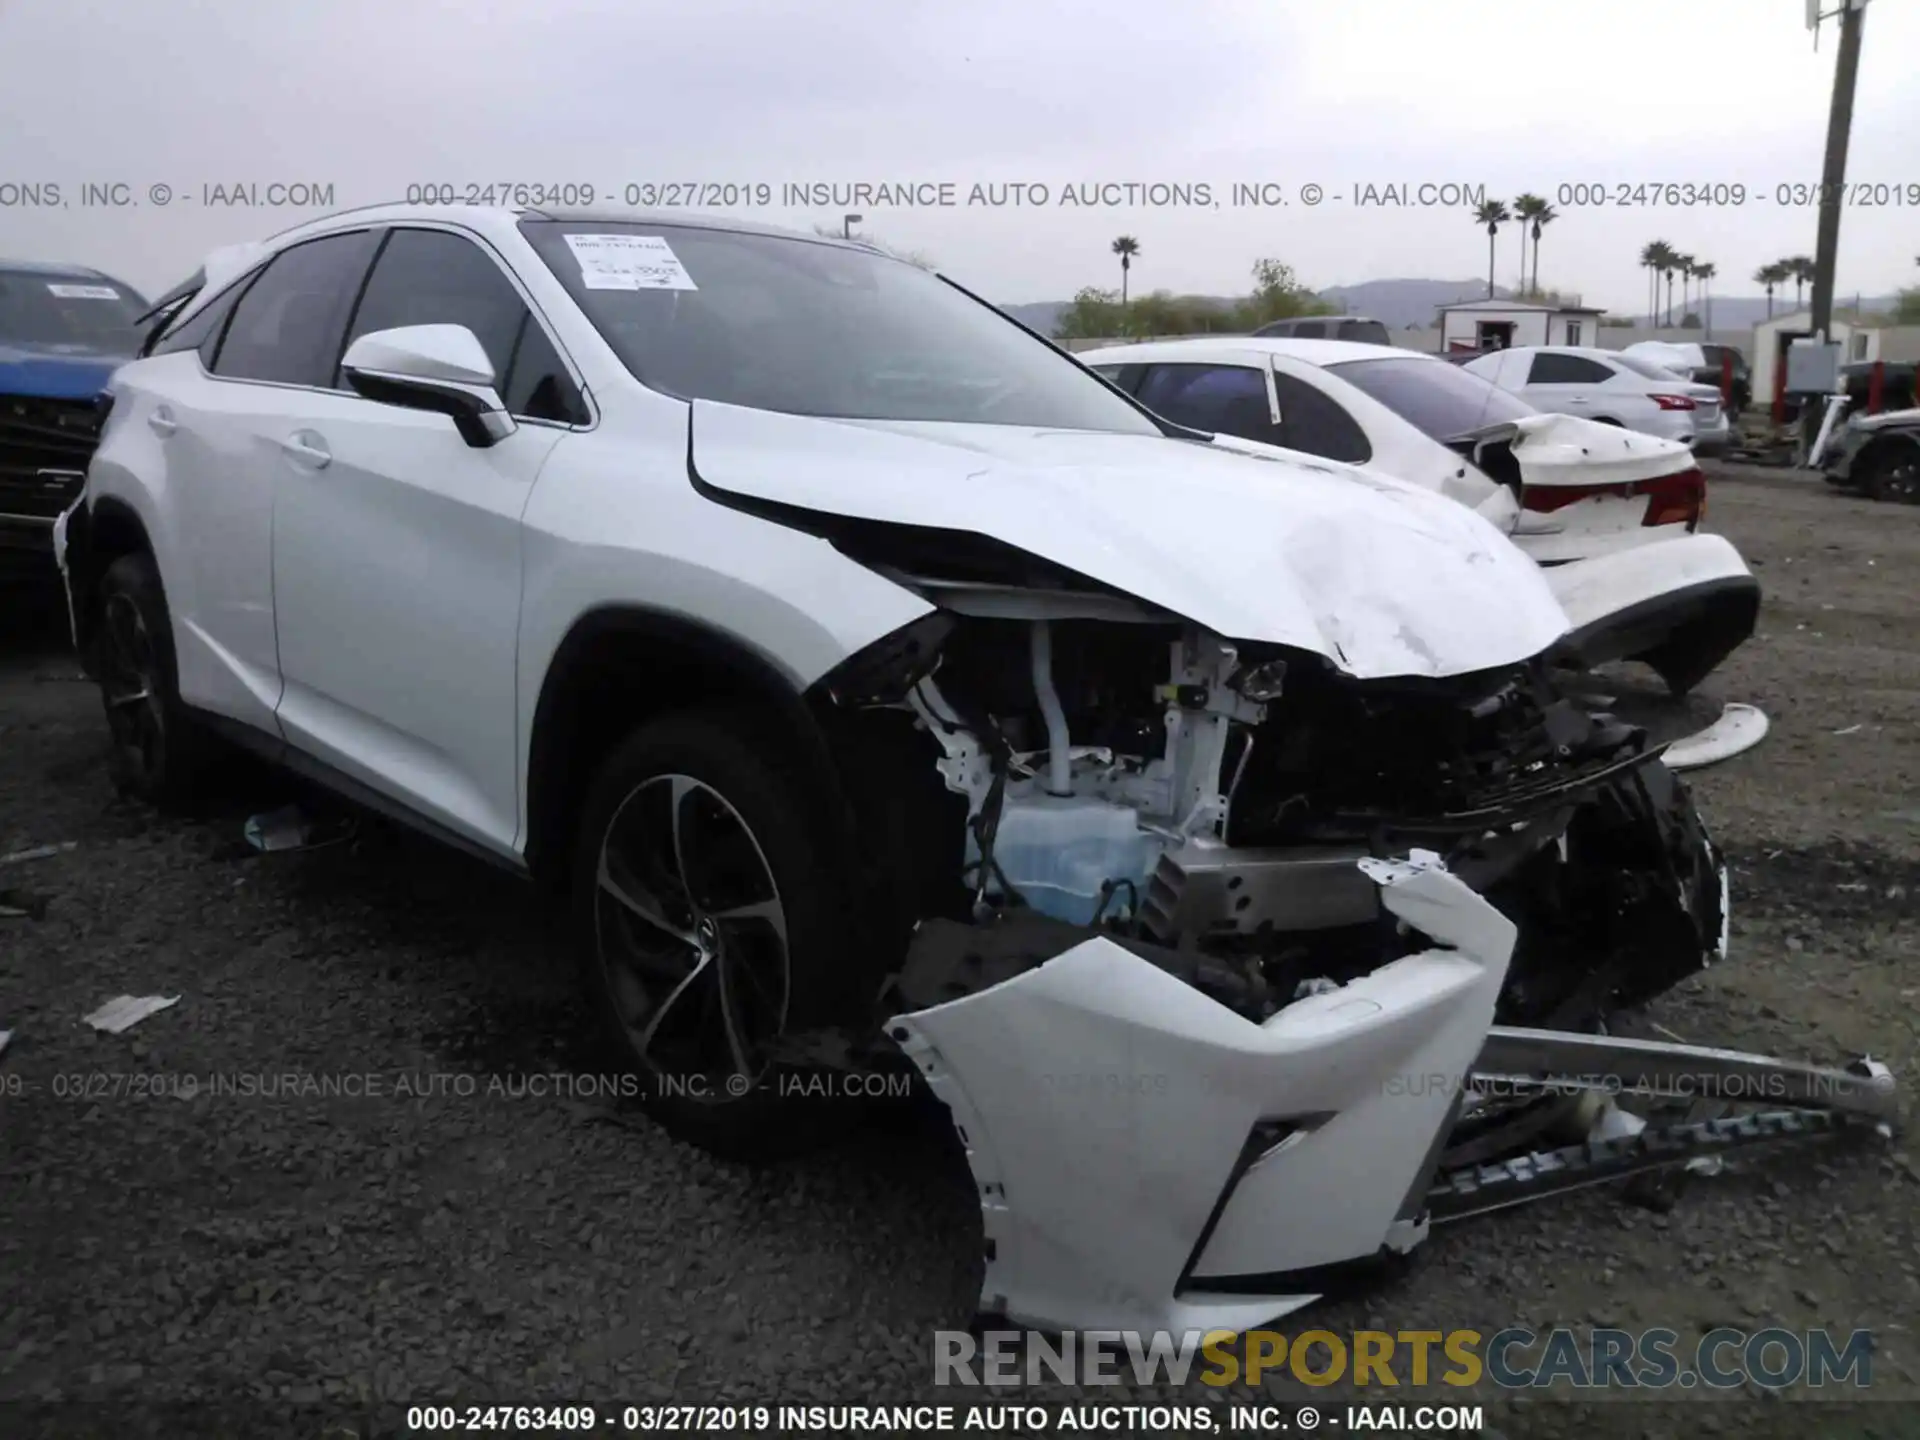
(1704, 271)
(1684, 264)
(1800, 270)
(1650, 262)
(1665, 260)
(1492, 214)
(1126, 247)
(1770, 276)
(1545, 215)
(1525, 207)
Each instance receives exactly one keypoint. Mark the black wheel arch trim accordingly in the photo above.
(664, 634)
(86, 558)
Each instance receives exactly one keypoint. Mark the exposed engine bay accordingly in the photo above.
(1154, 782)
(1213, 953)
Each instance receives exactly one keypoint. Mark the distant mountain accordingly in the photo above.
(1398, 304)
(1743, 312)
(1042, 315)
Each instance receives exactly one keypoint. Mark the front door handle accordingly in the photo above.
(308, 450)
(161, 422)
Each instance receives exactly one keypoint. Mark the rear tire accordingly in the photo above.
(712, 914)
(160, 751)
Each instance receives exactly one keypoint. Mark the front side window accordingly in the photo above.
(75, 314)
(805, 327)
(434, 277)
(287, 328)
(1366, 332)
(1220, 399)
(1309, 330)
(1442, 401)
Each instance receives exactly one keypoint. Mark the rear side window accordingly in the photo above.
(1553, 369)
(202, 331)
(1315, 423)
(434, 277)
(1367, 332)
(288, 326)
(1220, 399)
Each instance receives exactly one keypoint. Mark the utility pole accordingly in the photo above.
(1833, 178)
(1833, 175)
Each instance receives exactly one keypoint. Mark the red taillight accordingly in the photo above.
(1675, 499)
(1671, 499)
(1672, 402)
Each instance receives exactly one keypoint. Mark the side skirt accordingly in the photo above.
(282, 755)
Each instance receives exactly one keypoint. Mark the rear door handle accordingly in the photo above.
(308, 450)
(161, 422)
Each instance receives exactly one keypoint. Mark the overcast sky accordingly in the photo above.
(369, 96)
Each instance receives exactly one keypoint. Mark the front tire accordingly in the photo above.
(159, 752)
(712, 915)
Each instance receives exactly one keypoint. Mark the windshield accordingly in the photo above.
(79, 313)
(1441, 400)
(809, 328)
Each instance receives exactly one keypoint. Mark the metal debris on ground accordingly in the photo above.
(291, 828)
(38, 852)
(1739, 729)
(123, 1012)
(6, 1039)
(1851, 729)
(14, 912)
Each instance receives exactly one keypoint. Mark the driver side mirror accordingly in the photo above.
(442, 368)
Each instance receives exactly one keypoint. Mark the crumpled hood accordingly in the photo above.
(1567, 450)
(54, 374)
(1380, 577)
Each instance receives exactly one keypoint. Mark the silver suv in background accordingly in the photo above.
(1328, 327)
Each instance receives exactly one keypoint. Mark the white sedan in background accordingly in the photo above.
(1611, 516)
(1612, 388)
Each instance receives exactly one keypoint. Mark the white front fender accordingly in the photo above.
(1134, 1139)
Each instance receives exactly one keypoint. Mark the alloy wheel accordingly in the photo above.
(691, 937)
(130, 683)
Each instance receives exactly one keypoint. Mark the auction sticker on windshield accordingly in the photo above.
(85, 292)
(629, 262)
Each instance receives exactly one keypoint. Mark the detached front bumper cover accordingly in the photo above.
(1148, 1158)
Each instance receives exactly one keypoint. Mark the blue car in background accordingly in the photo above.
(64, 329)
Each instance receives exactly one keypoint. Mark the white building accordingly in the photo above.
(1490, 324)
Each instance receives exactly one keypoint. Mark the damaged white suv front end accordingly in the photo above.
(888, 691)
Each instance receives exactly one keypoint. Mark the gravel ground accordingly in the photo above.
(446, 1235)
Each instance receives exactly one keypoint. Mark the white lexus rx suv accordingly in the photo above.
(781, 603)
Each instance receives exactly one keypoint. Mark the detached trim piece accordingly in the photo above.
(1119, 1122)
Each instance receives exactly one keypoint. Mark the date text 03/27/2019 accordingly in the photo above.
(1003, 1418)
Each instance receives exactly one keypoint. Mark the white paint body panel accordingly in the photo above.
(1592, 590)
(1095, 1194)
(204, 489)
(1259, 550)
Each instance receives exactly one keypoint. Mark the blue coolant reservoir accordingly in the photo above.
(1059, 852)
